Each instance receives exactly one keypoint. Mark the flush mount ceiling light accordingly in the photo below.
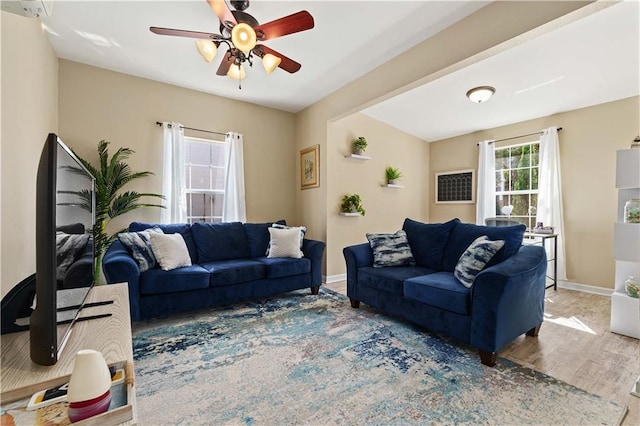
(242, 36)
(480, 94)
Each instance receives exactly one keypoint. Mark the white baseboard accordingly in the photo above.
(334, 278)
(585, 288)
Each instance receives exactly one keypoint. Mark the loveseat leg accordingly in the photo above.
(534, 331)
(488, 358)
(354, 303)
(315, 290)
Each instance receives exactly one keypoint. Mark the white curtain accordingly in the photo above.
(234, 207)
(173, 174)
(486, 202)
(549, 209)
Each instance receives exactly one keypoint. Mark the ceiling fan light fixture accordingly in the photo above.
(243, 37)
(270, 62)
(236, 72)
(481, 94)
(207, 49)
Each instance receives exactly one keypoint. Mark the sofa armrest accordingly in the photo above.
(119, 267)
(507, 299)
(314, 250)
(356, 257)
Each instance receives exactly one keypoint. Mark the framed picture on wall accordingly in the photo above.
(309, 167)
(455, 187)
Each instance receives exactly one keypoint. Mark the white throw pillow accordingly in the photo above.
(285, 243)
(170, 250)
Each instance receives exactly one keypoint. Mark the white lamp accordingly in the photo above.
(270, 62)
(243, 37)
(236, 72)
(207, 49)
(480, 94)
(507, 210)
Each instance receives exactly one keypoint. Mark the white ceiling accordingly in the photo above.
(591, 61)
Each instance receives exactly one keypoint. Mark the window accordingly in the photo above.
(205, 173)
(517, 181)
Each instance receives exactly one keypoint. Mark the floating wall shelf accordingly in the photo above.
(388, 185)
(357, 157)
(350, 214)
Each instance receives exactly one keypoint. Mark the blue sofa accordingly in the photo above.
(228, 265)
(505, 301)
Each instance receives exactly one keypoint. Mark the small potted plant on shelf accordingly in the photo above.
(359, 145)
(352, 204)
(393, 175)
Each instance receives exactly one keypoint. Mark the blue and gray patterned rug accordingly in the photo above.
(300, 359)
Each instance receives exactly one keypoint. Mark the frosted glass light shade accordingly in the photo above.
(507, 210)
(481, 94)
(207, 49)
(236, 72)
(243, 37)
(270, 62)
(90, 377)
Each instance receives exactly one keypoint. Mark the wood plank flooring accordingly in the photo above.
(576, 346)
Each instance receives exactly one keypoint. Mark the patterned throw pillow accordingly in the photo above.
(139, 245)
(302, 229)
(475, 258)
(285, 242)
(390, 249)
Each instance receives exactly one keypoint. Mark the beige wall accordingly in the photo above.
(29, 113)
(492, 25)
(386, 208)
(99, 104)
(588, 144)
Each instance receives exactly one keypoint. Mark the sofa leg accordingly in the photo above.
(354, 303)
(534, 331)
(488, 358)
(315, 290)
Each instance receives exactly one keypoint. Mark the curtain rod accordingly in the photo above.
(519, 136)
(191, 128)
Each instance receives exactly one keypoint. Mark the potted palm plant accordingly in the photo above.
(111, 176)
(393, 175)
(359, 145)
(352, 204)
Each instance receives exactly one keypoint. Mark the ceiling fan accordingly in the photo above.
(242, 33)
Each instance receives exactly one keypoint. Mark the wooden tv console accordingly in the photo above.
(111, 336)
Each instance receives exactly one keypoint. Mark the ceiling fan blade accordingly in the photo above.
(287, 64)
(226, 63)
(221, 9)
(294, 23)
(185, 33)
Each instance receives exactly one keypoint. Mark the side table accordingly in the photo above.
(541, 239)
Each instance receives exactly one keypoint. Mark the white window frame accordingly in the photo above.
(192, 191)
(530, 216)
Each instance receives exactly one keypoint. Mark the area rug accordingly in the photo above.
(299, 359)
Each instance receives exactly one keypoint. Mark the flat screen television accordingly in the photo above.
(65, 261)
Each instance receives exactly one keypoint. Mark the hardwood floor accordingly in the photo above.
(576, 346)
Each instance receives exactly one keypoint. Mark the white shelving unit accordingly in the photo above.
(625, 310)
(357, 157)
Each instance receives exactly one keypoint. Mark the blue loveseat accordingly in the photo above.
(505, 301)
(228, 265)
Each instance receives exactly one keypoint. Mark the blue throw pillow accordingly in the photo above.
(138, 244)
(258, 236)
(428, 241)
(475, 258)
(220, 241)
(390, 249)
(463, 234)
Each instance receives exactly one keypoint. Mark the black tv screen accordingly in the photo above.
(65, 261)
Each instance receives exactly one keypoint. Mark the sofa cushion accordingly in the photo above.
(389, 279)
(463, 234)
(258, 237)
(157, 281)
(441, 290)
(475, 258)
(170, 250)
(183, 229)
(220, 241)
(428, 241)
(285, 267)
(234, 271)
(390, 249)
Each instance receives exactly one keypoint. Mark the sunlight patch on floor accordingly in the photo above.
(572, 322)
